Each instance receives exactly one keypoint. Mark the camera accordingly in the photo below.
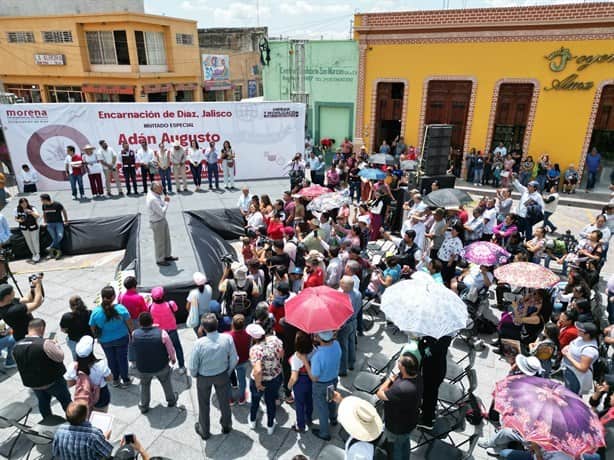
(6, 253)
(227, 259)
(34, 277)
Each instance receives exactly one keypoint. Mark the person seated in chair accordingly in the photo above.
(475, 277)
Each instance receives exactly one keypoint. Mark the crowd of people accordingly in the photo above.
(247, 352)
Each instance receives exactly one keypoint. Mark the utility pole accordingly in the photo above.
(257, 13)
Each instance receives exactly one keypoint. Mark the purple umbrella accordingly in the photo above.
(545, 412)
(485, 253)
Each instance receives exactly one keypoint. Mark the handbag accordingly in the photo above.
(193, 319)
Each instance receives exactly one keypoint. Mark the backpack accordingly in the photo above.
(476, 411)
(299, 256)
(85, 391)
(534, 212)
(238, 299)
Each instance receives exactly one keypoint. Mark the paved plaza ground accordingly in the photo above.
(170, 432)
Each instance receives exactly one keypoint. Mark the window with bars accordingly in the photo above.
(20, 37)
(107, 47)
(184, 39)
(150, 48)
(57, 36)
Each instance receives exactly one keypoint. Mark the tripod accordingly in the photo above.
(7, 273)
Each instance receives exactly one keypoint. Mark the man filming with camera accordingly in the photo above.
(17, 313)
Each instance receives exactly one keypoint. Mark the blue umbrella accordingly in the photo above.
(372, 174)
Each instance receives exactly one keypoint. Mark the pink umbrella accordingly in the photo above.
(313, 191)
(545, 412)
(485, 253)
(526, 274)
(319, 309)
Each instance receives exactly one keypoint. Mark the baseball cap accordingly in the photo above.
(199, 278)
(85, 346)
(327, 336)
(586, 327)
(240, 273)
(534, 183)
(157, 292)
(288, 231)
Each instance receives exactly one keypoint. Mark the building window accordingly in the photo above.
(184, 96)
(65, 94)
(108, 47)
(57, 36)
(237, 92)
(24, 93)
(20, 37)
(150, 48)
(184, 39)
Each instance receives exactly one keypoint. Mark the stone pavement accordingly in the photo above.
(169, 432)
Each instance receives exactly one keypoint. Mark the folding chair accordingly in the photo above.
(10, 415)
(456, 369)
(369, 382)
(443, 426)
(379, 361)
(451, 395)
(439, 449)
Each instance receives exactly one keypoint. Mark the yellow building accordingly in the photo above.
(542, 77)
(114, 57)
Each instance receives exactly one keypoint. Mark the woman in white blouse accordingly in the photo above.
(196, 158)
(255, 219)
(450, 251)
(228, 166)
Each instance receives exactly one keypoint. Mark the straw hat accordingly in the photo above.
(529, 365)
(360, 419)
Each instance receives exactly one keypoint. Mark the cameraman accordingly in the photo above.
(18, 313)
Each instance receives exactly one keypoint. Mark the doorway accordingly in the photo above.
(512, 114)
(447, 102)
(603, 139)
(388, 112)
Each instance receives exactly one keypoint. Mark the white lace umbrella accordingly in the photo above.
(424, 307)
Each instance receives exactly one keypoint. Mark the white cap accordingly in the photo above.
(85, 346)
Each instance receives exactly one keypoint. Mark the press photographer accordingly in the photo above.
(17, 313)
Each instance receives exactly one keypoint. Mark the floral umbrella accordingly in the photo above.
(545, 412)
(526, 274)
(424, 307)
(485, 253)
(328, 201)
(313, 191)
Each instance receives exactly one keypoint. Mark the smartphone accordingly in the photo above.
(330, 393)
(129, 438)
(510, 297)
(52, 335)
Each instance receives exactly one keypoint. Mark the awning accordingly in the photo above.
(101, 89)
(185, 86)
(162, 88)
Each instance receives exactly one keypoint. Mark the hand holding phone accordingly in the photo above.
(129, 438)
(330, 393)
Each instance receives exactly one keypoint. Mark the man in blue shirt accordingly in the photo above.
(593, 167)
(213, 359)
(347, 334)
(325, 372)
(78, 439)
(5, 230)
(211, 158)
(316, 166)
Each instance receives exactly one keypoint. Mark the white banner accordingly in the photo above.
(264, 135)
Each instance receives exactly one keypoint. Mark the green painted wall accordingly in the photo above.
(331, 76)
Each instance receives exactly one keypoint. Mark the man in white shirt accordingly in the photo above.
(415, 223)
(29, 178)
(145, 157)
(108, 159)
(178, 157)
(527, 194)
(475, 226)
(490, 219)
(244, 201)
(501, 149)
(157, 205)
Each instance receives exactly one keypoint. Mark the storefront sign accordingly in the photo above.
(107, 89)
(185, 86)
(263, 135)
(163, 88)
(560, 59)
(49, 59)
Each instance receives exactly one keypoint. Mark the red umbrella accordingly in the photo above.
(313, 191)
(319, 309)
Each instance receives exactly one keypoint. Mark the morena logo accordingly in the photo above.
(26, 114)
(44, 134)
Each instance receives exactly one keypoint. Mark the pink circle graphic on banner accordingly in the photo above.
(37, 140)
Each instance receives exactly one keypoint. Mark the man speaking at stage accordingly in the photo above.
(157, 205)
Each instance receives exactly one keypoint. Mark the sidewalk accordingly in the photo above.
(579, 199)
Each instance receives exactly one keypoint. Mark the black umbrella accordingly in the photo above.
(447, 198)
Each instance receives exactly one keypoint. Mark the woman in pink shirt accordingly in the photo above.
(132, 300)
(163, 314)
